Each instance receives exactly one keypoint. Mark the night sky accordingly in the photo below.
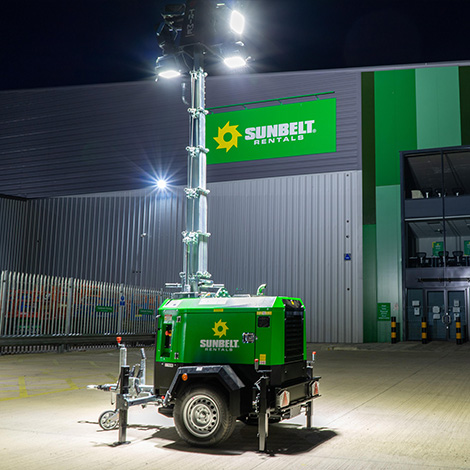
(48, 43)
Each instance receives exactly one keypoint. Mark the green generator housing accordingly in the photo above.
(244, 355)
(231, 330)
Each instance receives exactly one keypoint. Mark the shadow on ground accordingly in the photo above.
(285, 439)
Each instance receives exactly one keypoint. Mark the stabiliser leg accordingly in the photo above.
(123, 406)
(263, 422)
(309, 414)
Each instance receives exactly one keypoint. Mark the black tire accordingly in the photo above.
(109, 420)
(202, 417)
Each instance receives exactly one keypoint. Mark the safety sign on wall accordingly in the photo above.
(383, 311)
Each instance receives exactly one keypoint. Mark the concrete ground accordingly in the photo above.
(404, 406)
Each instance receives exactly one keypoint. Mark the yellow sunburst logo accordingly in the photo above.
(220, 328)
(225, 143)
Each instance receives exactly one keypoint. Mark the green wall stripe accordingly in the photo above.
(437, 107)
(370, 283)
(395, 131)
(464, 81)
(389, 267)
(369, 261)
(395, 122)
(368, 147)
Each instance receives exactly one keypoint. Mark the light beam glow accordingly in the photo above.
(161, 184)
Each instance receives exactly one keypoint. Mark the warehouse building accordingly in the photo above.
(347, 188)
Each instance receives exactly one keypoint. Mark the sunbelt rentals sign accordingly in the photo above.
(275, 131)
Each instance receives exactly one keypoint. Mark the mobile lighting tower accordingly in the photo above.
(218, 358)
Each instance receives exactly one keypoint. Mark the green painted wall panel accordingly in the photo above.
(370, 283)
(389, 271)
(395, 130)
(437, 107)
(395, 122)
(464, 82)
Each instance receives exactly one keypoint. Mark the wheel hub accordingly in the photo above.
(201, 416)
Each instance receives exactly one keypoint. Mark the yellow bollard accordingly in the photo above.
(458, 330)
(424, 330)
(394, 329)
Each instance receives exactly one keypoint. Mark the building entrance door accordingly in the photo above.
(443, 308)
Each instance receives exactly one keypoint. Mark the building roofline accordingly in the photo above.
(371, 68)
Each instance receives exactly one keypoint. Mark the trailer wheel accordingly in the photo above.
(202, 417)
(109, 420)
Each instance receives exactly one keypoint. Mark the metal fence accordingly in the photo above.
(38, 310)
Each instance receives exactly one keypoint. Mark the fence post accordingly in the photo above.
(3, 298)
(68, 315)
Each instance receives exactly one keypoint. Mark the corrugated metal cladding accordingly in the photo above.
(129, 237)
(88, 139)
(13, 227)
(289, 232)
(293, 233)
(118, 137)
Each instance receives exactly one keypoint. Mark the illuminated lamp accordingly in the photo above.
(237, 22)
(168, 67)
(234, 55)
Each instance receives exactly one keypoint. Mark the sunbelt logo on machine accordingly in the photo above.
(220, 329)
(275, 131)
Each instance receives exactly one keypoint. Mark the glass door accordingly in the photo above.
(443, 308)
(414, 313)
(436, 310)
